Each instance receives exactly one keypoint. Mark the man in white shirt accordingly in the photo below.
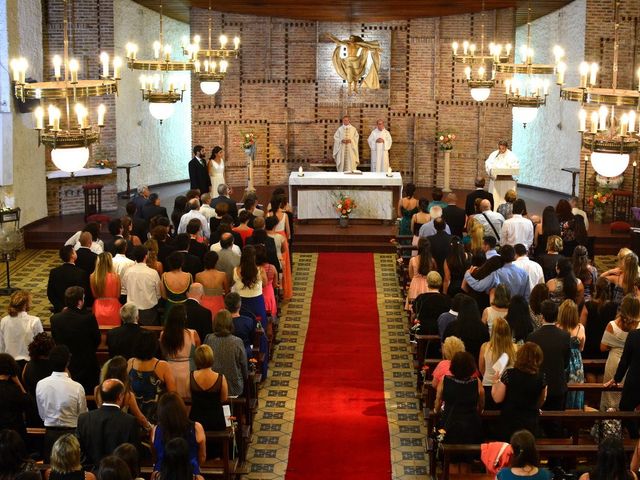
(491, 221)
(217, 247)
(379, 142)
(194, 207)
(517, 229)
(345, 147)
(18, 329)
(121, 262)
(60, 400)
(205, 207)
(534, 269)
(576, 211)
(142, 284)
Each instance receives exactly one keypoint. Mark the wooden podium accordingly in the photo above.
(501, 180)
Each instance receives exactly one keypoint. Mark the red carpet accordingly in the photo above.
(340, 428)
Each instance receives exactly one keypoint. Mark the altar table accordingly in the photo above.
(315, 193)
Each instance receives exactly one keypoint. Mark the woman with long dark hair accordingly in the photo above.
(175, 283)
(583, 270)
(525, 461)
(420, 218)
(539, 294)
(13, 455)
(519, 319)
(468, 327)
(407, 208)
(596, 315)
(611, 462)
(567, 221)
(174, 423)
(565, 285)
(419, 268)
(175, 463)
(455, 265)
(215, 165)
(178, 343)
(548, 226)
(179, 209)
(214, 282)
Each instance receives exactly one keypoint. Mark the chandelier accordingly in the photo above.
(610, 135)
(482, 80)
(68, 140)
(526, 95)
(160, 91)
(212, 69)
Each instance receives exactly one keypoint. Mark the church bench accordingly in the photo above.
(545, 451)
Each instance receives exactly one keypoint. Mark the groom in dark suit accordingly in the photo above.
(198, 172)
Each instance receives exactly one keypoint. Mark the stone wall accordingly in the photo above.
(284, 89)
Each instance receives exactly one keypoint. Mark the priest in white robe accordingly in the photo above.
(500, 184)
(345, 147)
(380, 143)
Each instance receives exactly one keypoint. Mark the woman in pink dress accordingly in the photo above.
(268, 289)
(178, 344)
(278, 206)
(215, 283)
(105, 286)
(419, 267)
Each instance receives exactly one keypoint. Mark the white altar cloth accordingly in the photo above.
(315, 193)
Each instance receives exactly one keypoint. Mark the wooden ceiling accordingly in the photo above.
(354, 10)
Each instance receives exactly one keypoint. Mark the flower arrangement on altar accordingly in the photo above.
(445, 140)
(344, 205)
(600, 199)
(248, 141)
(102, 163)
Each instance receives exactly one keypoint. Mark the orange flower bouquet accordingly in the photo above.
(344, 205)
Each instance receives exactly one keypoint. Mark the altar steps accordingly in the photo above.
(329, 237)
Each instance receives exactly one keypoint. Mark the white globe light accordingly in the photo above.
(70, 159)
(480, 94)
(209, 88)
(161, 111)
(609, 164)
(525, 114)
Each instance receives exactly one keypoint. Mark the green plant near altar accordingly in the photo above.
(344, 205)
(445, 140)
(248, 140)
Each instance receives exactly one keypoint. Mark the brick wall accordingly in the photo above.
(284, 89)
(91, 32)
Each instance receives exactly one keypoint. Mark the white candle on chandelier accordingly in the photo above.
(508, 49)
(523, 54)
(558, 53)
(561, 68)
(167, 53)
(156, 49)
(39, 114)
(594, 122)
(19, 69)
(101, 112)
(223, 41)
(236, 42)
(51, 114)
(81, 113)
(582, 116)
(584, 72)
(74, 66)
(223, 66)
(104, 59)
(624, 124)
(481, 72)
(171, 86)
(56, 119)
(467, 72)
(206, 66)
(117, 67)
(196, 66)
(465, 47)
(213, 66)
(602, 113)
(632, 121)
(545, 87)
(143, 82)
(472, 49)
(529, 55)
(594, 73)
(57, 66)
(196, 40)
(507, 87)
(454, 47)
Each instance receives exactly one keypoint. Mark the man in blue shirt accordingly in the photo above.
(429, 228)
(516, 278)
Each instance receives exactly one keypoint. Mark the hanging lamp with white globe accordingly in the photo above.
(209, 88)
(480, 94)
(70, 159)
(160, 110)
(524, 115)
(609, 164)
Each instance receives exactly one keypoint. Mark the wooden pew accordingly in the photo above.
(545, 451)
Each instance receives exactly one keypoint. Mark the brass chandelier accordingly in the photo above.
(210, 64)
(69, 146)
(610, 134)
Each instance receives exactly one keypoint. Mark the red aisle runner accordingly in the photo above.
(340, 429)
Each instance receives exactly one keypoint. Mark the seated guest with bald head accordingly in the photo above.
(491, 221)
(101, 431)
(199, 318)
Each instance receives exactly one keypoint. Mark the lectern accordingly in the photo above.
(501, 180)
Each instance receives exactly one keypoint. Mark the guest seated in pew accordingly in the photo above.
(460, 398)
(65, 461)
(209, 390)
(611, 462)
(524, 462)
(149, 377)
(175, 463)
(419, 267)
(468, 327)
(13, 456)
(520, 391)
(174, 424)
(113, 468)
(230, 357)
(117, 368)
(501, 342)
(131, 457)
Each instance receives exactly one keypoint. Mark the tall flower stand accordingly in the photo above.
(250, 153)
(447, 174)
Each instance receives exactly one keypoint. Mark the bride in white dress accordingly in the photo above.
(216, 169)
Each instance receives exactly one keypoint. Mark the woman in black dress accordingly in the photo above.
(595, 316)
(65, 460)
(209, 391)
(38, 366)
(14, 400)
(549, 260)
(546, 228)
(519, 319)
(455, 265)
(520, 391)
(463, 398)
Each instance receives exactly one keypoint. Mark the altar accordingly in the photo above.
(314, 194)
